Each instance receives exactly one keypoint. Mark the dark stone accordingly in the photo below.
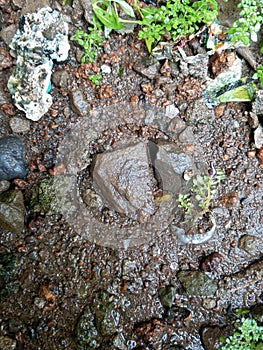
(257, 312)
(8, 266)
(86, 331)
(167, 295)
(4, 186)
(210, 262)
(12, 211)
(196, 283)
(210, 336)
(12, 158)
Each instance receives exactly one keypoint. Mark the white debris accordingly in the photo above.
(41, 38)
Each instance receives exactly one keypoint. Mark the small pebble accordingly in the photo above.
(105, 69)
(19, 124)
(251, 154)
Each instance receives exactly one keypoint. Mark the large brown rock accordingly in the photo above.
(124, 180)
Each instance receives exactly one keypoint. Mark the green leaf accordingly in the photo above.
(125, 7)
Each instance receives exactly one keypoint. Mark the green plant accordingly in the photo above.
(203, 190)
(185, 203)
(248, 336)
(95, 78)
(174, 19)
(259, 75)
(107, 13)
(90, 41)
(249, 22)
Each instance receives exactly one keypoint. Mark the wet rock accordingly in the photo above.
(106, 316)
(86, 331)
(257, 313)
(43, 199)
(7, 343)
(30, 6)
(4, 186)
(60, 78)
(8, 33)
(8, 266)
(5, 59)
(124, 181)
(167, 296)
(148, 69)
(12, 211)
(170, 161)
(248, 243)
(19, 124)
(12, 161)
(196, 283)
(210, 336)
(258, 136)
(257, 105)
(78, 103)
(210, 262)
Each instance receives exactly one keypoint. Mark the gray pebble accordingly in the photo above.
(19, 124)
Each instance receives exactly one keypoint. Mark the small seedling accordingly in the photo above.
(248, 336)
(202, 190)
(90, 41)
(95, 79)
(185, 203)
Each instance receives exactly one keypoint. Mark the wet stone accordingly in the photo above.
(124, 180)
(43, 199)
(12, 211)
(86, 331)
(119, 342)
(248, 243)
(196, 283)
(167, 296)
(60, 78)
(210, 336)
(8, 266)
(106, 317)
(78, 103)
(7, 343)
(5, 59)
(4, 186)
(257, 313)
(12, 161)
(19, 124)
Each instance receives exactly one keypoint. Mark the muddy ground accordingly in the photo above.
(63, 289)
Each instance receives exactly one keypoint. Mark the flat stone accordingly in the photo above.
(78, 103)
(19, 124)
(60, 78)
(196, 283)
(4, 186)
(12, 211)
(170, 162)
(12, 161)
(124, 180)
(8, 33)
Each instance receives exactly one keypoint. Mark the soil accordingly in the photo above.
(54, 275)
